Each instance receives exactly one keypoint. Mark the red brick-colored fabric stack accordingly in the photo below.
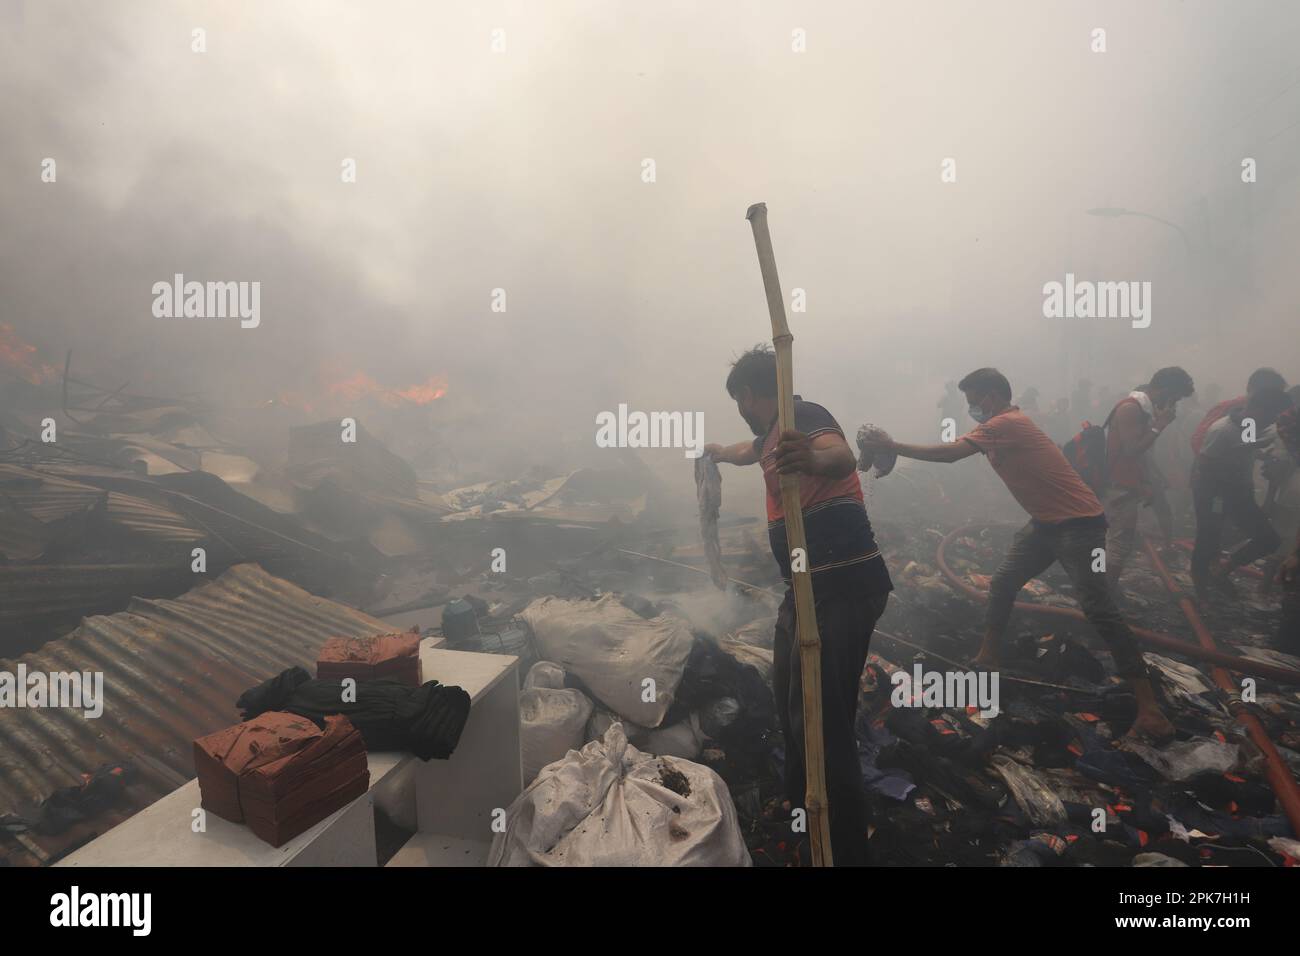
(381, 657)
(280, 774)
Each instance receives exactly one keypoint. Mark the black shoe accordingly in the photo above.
(1223, 584)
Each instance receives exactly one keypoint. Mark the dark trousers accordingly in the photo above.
(1216, 500)
(1035, 549)
(845, 621)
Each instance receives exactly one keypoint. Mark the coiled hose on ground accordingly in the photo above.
(1277, 773)
(1167, 642)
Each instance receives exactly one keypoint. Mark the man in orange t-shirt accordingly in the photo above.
(1066, 525)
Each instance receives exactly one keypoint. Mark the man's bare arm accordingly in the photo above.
(741, 453)
(1134, 436)
(946, 452)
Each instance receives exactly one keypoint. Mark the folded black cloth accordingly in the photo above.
(426, 721)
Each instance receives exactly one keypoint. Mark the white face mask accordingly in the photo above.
(978, 414)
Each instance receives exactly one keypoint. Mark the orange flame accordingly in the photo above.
(430, 391)
(21, 358)
(360, 385)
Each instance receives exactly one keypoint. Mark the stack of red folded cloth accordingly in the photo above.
(280, 773)
(381, 657)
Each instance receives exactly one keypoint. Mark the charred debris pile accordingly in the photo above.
(141, 502)
(107, 495)
(1049, 779)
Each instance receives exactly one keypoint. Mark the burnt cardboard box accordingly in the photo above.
(393, 657)
(279, 773)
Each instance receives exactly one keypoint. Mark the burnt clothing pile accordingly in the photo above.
(280, 774)
(734, 704)
(426, 720)
(1051, 780)
(393, 657)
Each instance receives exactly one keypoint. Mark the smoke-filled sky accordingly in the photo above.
(522, 169)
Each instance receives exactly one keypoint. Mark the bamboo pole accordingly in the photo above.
(810, 646)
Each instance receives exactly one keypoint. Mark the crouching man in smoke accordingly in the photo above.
(850, 582)
(1066, 524)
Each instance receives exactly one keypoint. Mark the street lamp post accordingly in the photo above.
(1115, 213)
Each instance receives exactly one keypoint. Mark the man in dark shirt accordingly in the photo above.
(1223, 486)
(1261, 378)
(851, 584)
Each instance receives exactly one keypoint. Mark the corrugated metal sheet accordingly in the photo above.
(32, 594)
(104, 535)
(22, 537)
(153, 521)
(172, 671)
(46, 497)
(50, 498)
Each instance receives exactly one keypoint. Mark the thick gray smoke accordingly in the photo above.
(506, 147)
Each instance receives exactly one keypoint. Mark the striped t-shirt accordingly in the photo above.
(841, 545)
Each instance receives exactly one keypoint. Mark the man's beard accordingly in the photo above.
(754, 426)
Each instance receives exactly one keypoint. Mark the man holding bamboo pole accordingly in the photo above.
(850, 585)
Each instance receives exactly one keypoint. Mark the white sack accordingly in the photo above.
(613, 650)
(608, 805)
(683, 739)
(552, 719)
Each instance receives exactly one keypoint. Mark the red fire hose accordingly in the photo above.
(1250, 569)
(1275, 769)
(1284, 785)
(1211, 654)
